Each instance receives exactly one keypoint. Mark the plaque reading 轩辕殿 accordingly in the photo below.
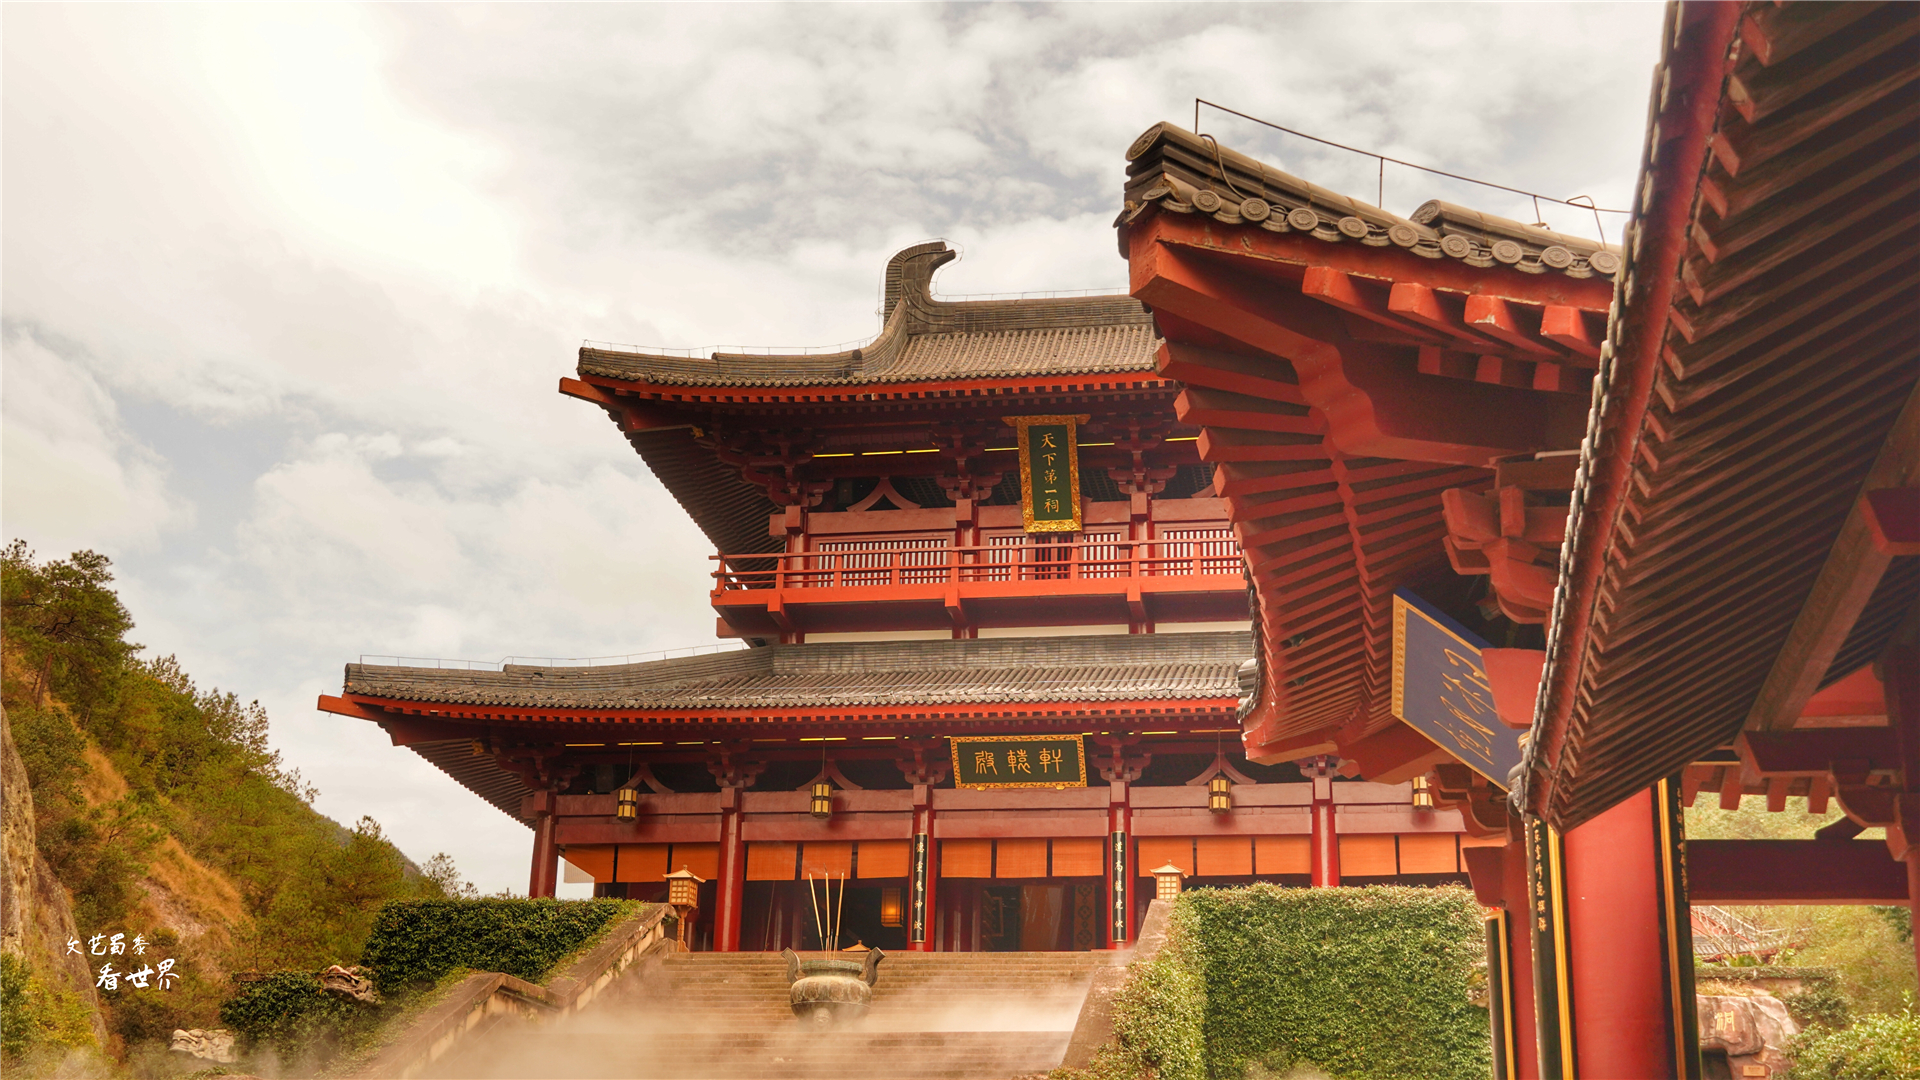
(1049, 472)
(1019, 761)
(1440, 687)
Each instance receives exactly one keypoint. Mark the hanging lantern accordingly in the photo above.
(1166, 882)
(1220, 794)
(628, 808)
(891, 909)
(683, 888)
(821, 806)
(1422, 794)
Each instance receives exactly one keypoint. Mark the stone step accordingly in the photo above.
(724, 1016)
(797, 1054)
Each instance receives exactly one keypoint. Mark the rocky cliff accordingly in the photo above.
(36, 915)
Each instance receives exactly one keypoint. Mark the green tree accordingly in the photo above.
(199, 767)
(1865, 946)
(67, 622)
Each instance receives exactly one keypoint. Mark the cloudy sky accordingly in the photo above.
(287, 290)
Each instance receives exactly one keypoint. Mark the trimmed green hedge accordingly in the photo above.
(1364, 984)
(415, 942)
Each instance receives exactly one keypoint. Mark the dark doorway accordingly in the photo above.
(1000, 918)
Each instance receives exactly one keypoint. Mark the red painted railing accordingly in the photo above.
(932, 563)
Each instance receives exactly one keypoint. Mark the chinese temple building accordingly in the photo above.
(1349, 547)
(996, 621)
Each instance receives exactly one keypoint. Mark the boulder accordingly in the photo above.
(215, 1045)
(1751, 1030)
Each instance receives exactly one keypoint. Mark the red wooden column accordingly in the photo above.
(1899, 671)
(1500, 881)
(545, 874)
(1629, 942)
(1913, 891)
(1325, 844)
(730, 891)
(1523, 1051)
(925, 875)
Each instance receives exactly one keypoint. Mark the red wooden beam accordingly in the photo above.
(1814, 751)
(1238, 373)
(1374, 404)
(1852, 571)
(1365, 298)
(632, 414)
(1793, 872)
(1497, 318)
(1416, 302)
(340, 706)
(1893, 520)
(1567, 327)
(1214, 408)
(1394, 754)
(1514, 675)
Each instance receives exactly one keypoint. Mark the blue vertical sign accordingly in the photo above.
(1440, 687)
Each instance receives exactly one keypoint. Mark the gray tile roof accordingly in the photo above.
(1182, 173)
(985, 671)
(924, 339)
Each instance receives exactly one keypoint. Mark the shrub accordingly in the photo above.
(37, 1014)
(1874, 1047)
(415, 942)
(288, 1011)
(1159, 1014)
(1819, 1003)
(1361, 983)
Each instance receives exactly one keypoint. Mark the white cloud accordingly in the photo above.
(288, 288)
(72, 477)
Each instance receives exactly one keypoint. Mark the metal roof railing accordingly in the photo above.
(382, 660)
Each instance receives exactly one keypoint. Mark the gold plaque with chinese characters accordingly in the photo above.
(1049, 471)
(1014, 761)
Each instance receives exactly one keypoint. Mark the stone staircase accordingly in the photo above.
(724, 1016)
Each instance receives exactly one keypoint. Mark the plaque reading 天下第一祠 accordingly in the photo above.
(1049, 472)
(1003, 761)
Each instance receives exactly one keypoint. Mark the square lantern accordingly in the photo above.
(628, 807)
(892, 911)
(821, 805)
(683, 888)
(1422, 794)
(1166, 882)
(1220, 794)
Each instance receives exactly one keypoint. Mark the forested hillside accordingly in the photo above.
(160, 810)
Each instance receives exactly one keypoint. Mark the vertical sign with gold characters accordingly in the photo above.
(1440, 687)
(1049, 472)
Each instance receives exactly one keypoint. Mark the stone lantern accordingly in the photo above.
(683, 895)
(1166, 882)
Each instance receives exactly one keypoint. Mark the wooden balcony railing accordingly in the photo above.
(930, 561)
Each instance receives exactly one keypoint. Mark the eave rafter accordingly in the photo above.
(1762, 392)
(1342, 392)
(385, 710)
